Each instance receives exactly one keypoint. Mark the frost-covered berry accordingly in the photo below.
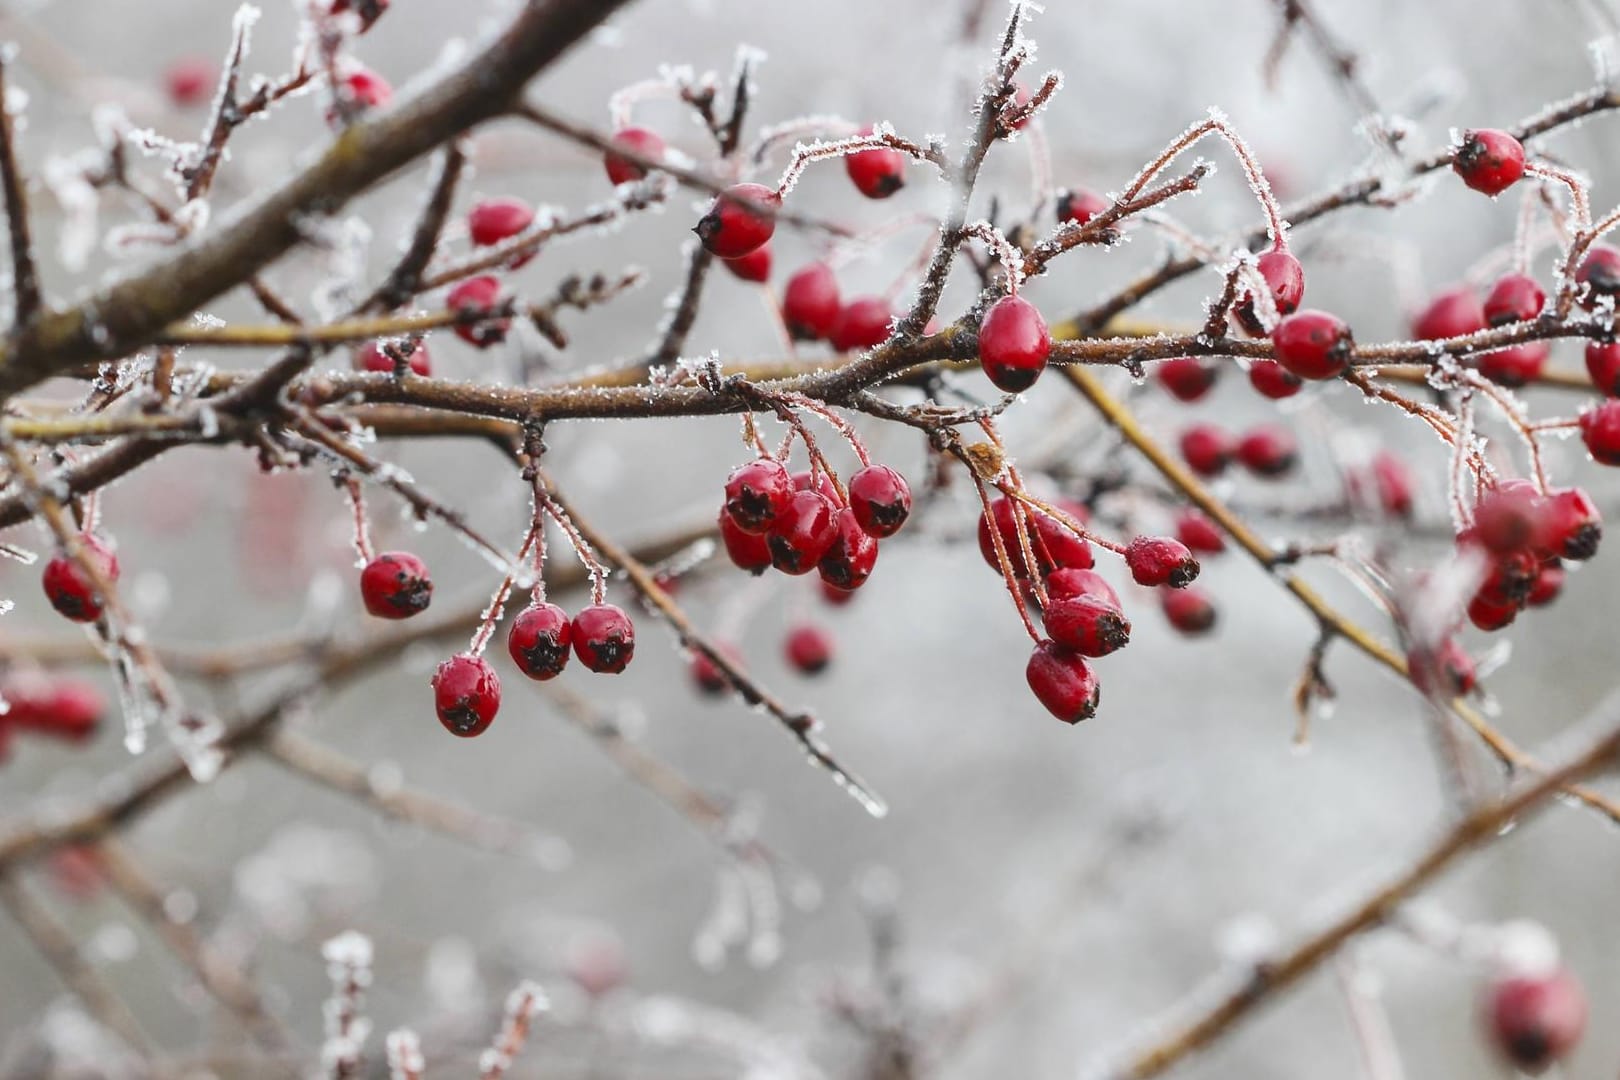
(758, 493)
(648, 144)
(372, 357)
(1079, 205)
(476, 301)
(1516, 365)
(863, 323)
(809, 648)
(1452, 313)
(1013, 344)
(1514, 298)
(876, 173)
(740, 219)
(1063, 682)
(1535, 1020)
(1489, 161)
(1313, 344)
(396, 585)
(466, 694)
(1160, 560)
(1285, 276)
(604, 638)
(1089, 625)
(810, 303)
(70, 590)
(539, 640)
(1385, 484)
(1600, 431)
(1549, 583)
(1599, 275)
(881, 500)
(1187, 378)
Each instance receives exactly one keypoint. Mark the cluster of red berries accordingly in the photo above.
(814, 310)
(1268, 451)
(1522, 535)
(59, 707)
(1456, 312)
(808, 648)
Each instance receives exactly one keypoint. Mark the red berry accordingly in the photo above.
(474, 300)
(1273, 380)
(604, 638)
(1599, 272)
(863, 323)
(881, 499)
(69, 588)
(1268, 451)
(1514, 298)
(1534, 1020)
(539, 640)
(395, 585)
(371, 357)
(804, 533)
(1053, 543)
(1509, 578)
(1071, 581)
(1088, 625)
(59, 706)
(649, 144)
(191, 81)
(1453, 313)
(706, 674)
(1063, 682)
(1160, 560)
(809, 648)
(1549, 583)
(1187, 378)
(1490, 615)
(466, 694)
(1603, 365)
(1199, 533)
(739, 220)
(849, 561)
(1385, 484)
(494, 220)
(1207, 449)
(758, 494)
(808, 480)
(364, 89)
(1313, 344)
(1189, 611)
(1079, 205)
(747, 551)
(1447, 671)
(754, 266)
(1516, 365)
(1013, 344)
(1569, 525)
(1506, 516)
(810, 305)
(1600, 431)
(876, 173)
(1489, 161)
(1286, 277)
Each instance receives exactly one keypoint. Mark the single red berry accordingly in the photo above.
(1273, 380)
(849, 561)
(1517, 365)
(1199, 533)
(466, 694)
(810, 304)
(1063, 682)
(1053, 543)
(863, 323)
(1071, 581)
(1313, 344)
(1384, 484)
(754, 266)
(1514, 298)
(395, 585)
(809, 648)
(1160, 560)
(814, 480)
(747, 551)
(1549, 583)
(493, 220)
(1207, 449)
(1599, 274)
(69, 588)
(371, 357)
(363, 89)
(1490, 615)
(476, 300)
(1187, 378)
(1569, 525)
(539, 640)
(1600, 431)
(1286, 278)
(1535, 1020)
(706, 674)
(758, 493)
(1453, 313)
(62, 707)
(1506, 516)
(1189, 611)
(1268, 451)
(191, 81)
(604, 638)
(835, 596)
(648, 144)
(804, 533)
(1489, 161)
(1088, 625)
(739, 220)
(876, 173)
(881, 499)
(1013, 344)
(1079, 205)
(1603, 365)
(1445, 671)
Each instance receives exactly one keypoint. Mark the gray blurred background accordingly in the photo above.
(1015, 844)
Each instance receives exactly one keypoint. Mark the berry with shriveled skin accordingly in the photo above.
(1313, 344)
(1535, 1020)
(1079, 205)
(863, 323)
(1452, 313)
(849, 561)
(1160, 560)
(754, 266)
(539, 640)
(604, 638)
(372, 357)
(1285, 276)
(1603, 365)
(1199, 533)
(1206, 449)
(1063, 682)
(1489, 161)
(466, 695)
(1549, 583)
(810, 303)
(1599, 275)
(809, 648)
(1088, 625)
(740, 219)
(1569, 525)
(1187, 378)
(1268, 451)
(1071, 581)
(70, 590)
(396, 585)
(1053, 543)
(876, 173)
(493, 220)
(747, 551)
(1014, 344)
(620, 169)
(1600, 431)
(804, 533)
(1274, 381)
(881, 500)
(477, 300)
(1189, 611)
(1516, 365)
(1443, 671)
(758, 493)
(191, 81)
(1514, 298)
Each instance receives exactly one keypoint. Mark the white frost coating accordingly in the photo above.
(405, 1058)
(65, 177)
